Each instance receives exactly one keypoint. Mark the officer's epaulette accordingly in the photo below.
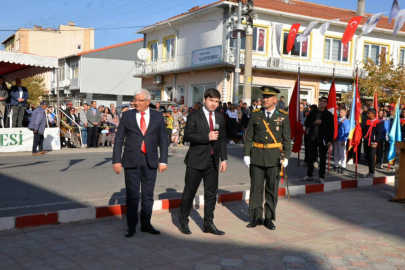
(283, 111)
(257, 110)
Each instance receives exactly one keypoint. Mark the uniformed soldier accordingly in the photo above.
(267, 148)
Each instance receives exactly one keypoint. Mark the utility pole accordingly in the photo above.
(247, 82)
(239, 28)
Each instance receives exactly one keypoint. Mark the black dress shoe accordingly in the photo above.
(150, 230)
(184, 228)
(254, 222)
(129, 233)
(212, 229)
(269, 224)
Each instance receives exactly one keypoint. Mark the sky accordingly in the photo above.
(132, 14)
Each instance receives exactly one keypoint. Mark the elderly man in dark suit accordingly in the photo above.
(205, 130)
(93, 116)
(144, 130)
(37, 125)
(19, 95)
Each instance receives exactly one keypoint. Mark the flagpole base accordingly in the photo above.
(396, 199)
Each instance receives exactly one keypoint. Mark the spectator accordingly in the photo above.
(232, 123)
(245, 122)
(182, 121)
(124, 109)
(114, 128)
(19, 95)
(253, 106)
(112, 106)
(306, 137)
(402, 120)
(3, 98)
(281, 103)
(190, 110)
(305, 104)
(259, 103)
(105, 134)
(51, 117)
(93, 122)
(169, 126)
(384, 145)
(108, 114)
(339, 145)
(158, 108)
(69, 107)
(37, 125)
(83, 123)
(132, 105)
(114, 112)
(321, 132)
(73, 121)
(372, 134)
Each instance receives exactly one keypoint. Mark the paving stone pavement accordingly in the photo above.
(349, 229)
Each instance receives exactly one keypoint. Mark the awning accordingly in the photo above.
(23, 65)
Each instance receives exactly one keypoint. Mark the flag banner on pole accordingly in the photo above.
(394, 10)
(279, 30)
(292, 35)
(351, 29)
(324, 27)
(395, 134)
(332, 107)
(375, 102)
(294, 116)
(371, 23)
(399, 21)
(304, 36)
(355, 120)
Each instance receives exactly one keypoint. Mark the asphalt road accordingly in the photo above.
(73, 178)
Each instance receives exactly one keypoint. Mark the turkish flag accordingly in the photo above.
(332, 107)
(261, 39)
(345, 52)
(294, 116)
(351, 29)
(292, 35)
(375, 101)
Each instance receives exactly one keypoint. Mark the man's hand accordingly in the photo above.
(1, 98)
(20, 100)
(318, 122)
(285, 163)
(213, 135)
(246, 159)
(223, 166)
(95, 123)
(343, 143)
(117, 167)
(162, 168)
(329, 144)
(373, 146)
(35, 131)
(85, 125)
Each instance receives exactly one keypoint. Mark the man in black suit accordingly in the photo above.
(205, 130)
(144, 130)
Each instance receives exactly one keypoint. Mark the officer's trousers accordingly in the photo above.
(263, 179)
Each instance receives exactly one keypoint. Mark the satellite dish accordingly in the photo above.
(143, 54)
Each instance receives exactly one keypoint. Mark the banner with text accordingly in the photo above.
(207, 56)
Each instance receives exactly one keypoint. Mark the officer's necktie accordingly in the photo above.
(143, 130)
(268, 116)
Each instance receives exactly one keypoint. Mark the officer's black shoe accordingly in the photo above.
(129, 233)
(269, 224)
(254, 222)
(335, 169)
(150, 230)
(184, 228)
(212, 229)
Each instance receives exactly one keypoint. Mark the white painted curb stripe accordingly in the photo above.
(6, 223)
(77, 214)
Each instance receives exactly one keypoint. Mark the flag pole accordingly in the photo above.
(333, 78)
(355, 107)
(357, 157)
(299, 95)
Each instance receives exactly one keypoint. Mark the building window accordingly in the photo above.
(198, 92)
(169, 48)
(259, 40)
(75, 71)
(62, 73)
(156, 94)
(373, 51)
(79, 47)
(335, 51)
(300, 49)
(153, 50)
(402, 57)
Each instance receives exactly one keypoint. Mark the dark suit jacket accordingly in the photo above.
(326, 129)
(73, 117)
(15, 95)
(196, 132)
(156, 135)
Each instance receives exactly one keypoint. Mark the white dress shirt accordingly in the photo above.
(20, 91)
(207, 115)
(271, 112)
(146, 116)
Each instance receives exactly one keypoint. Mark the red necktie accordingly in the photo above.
(211, 128)
(143, 130)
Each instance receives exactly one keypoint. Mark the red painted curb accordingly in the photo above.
(36, 220)
(281, 191)
(108, 211)
(230, 197)
(349, 184)
(170, 204)
(379, 181)
(314, 188)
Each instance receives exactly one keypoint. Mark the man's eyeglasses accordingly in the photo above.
(140, 100)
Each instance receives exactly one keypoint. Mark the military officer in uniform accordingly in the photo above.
(267, 149)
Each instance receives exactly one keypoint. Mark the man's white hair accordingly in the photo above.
(143, 92)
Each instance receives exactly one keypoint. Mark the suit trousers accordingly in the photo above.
(313, 146)
(370, 154)
(340, 154)
(3, 112)
(92, 133)
(38, 143)
(382, 151)
(266, 178)
(142, 177)
(18, 115)
(193, 179)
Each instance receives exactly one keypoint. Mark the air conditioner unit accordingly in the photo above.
(157, 79)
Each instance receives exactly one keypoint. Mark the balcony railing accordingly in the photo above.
(316, 66)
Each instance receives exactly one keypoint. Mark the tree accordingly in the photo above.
(36, 88)
(384, 77)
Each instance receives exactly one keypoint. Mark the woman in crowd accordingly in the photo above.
(108, 113)
(113, 128)
(73, 121)
(232, 123)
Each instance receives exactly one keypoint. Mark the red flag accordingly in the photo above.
(292, 35)
(294, 115)
(375, 101)
(357, 130)
(261, 39)
(332, 107)
(351, 29)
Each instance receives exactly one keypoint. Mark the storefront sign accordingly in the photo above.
(207, 56)
(21, 139)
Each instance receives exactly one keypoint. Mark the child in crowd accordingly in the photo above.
(339, 145)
